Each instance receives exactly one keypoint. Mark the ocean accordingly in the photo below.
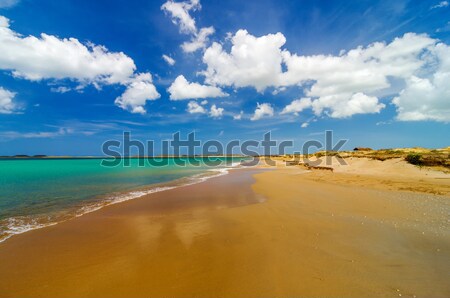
(35, 193)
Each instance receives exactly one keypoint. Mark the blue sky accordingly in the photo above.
(298, 68)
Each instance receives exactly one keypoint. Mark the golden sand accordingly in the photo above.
(252, 233)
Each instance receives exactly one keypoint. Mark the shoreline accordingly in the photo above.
(108, 230)
(251, 233)
(17, 226)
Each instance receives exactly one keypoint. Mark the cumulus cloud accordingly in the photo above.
(182, 89)
(342, 106)
(194, 108)
(216, 112)
(179, 11)
(198, 41)
(169, 60)
(49, 57)
(262, 110)
(359, 70)
(346, 85)
(252, 61)
(7, 105)
(338, 86)
(8, 3)
(139, 89)
(427, 98)
(180, 14)
(297, 106)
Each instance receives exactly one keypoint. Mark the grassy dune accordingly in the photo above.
(438, 159)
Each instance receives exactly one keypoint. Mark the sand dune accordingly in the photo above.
(391, 174)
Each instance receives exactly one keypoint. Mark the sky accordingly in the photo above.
(75, 74)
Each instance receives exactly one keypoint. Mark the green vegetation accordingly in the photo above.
(415, 159)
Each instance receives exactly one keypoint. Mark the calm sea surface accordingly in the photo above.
(40, 192)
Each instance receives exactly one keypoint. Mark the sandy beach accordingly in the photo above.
(369, 229)
(224, 149)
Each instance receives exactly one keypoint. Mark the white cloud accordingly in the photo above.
(194, 108)
(139, 90)
(49, 57)
(359, 70)
(198, 41)
(304, 125)
(7, 105)
(346, 105)
(297, 106)
(216, 112)
(253, 61)
(440, 5)
(238, 116)
(204, 102)
(262, 110)
(8, 3)
(427, 98)
(346, 85)
(339, 86)
(179, 12)
(182, 89)
(169, 60)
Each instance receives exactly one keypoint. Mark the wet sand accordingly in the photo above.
(252, 233)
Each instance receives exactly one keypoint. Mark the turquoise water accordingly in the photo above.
(40, 192)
